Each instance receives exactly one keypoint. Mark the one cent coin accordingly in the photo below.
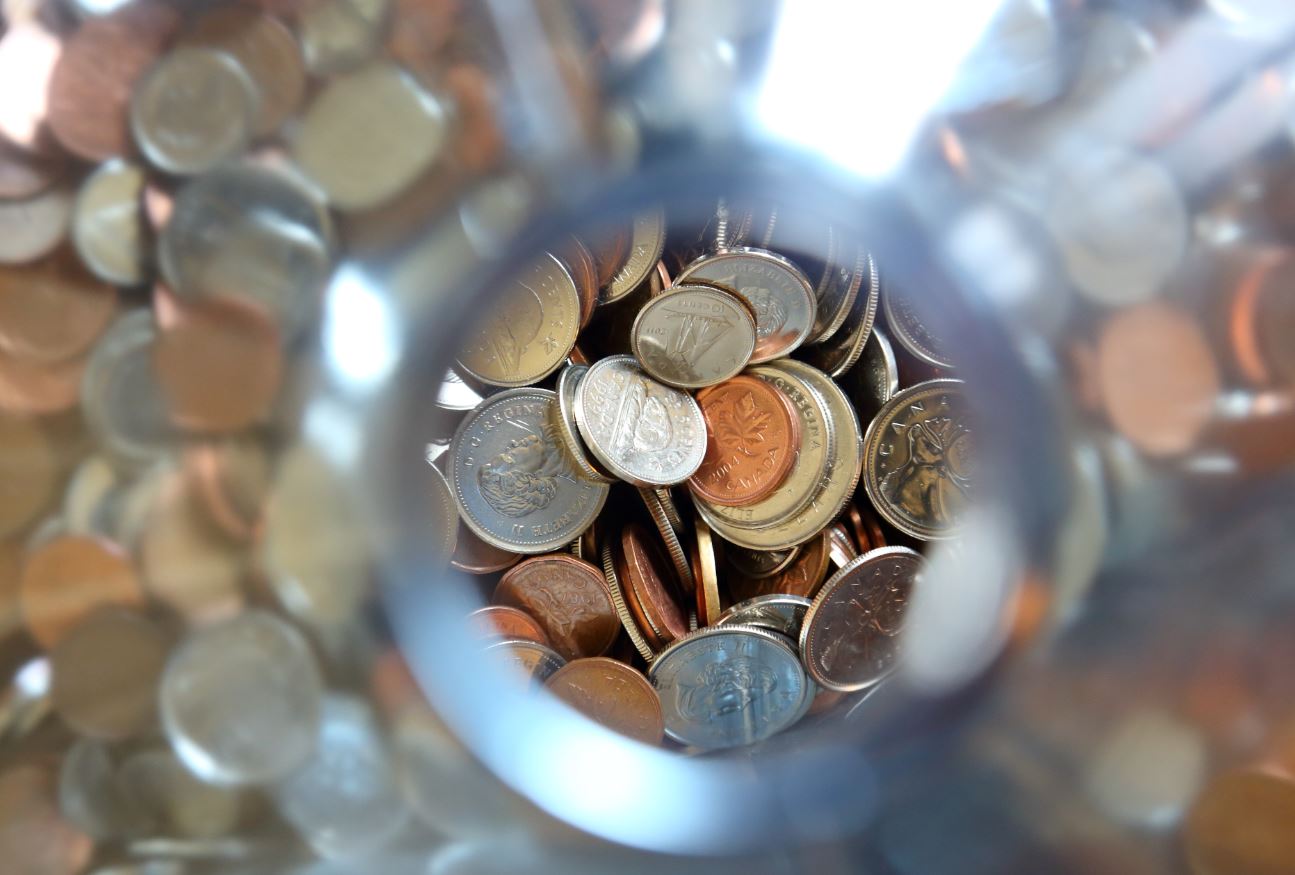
(568, 597)
(52, 310)
(650, 586)
(759, 563)
(29, 472)
(37, 839)
(752, 439)
(693, 336)
(850, 633)
(231, 479)
(534, 662)
(32, 387)
(1241, 823)
(612, 694)
(498, 621)
(67, 578)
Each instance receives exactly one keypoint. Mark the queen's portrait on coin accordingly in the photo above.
(523, 478)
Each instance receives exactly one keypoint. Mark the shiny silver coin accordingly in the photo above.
(344, 801)
(248, 230)
(874, 378)
(778, 612)
(728, 686)
(568, 380)
(911, 325)
(532, 661)
(838, 354)
(121, 398)
(514, 484)
(457, 395)
(240, 700)
(848, 275)
(642, 431)
(693, 336)
(777, 290)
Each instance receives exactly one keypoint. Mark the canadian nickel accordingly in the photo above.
(838, 354)
(642, 431)
(108, 223)
(533, 660)
(777, 290)
(913, 331)
(647, 242)
(693, 336)
(779, 612)
(568, 380)
(920, 459)
(728, 686)
(513, 482)
(529, 331)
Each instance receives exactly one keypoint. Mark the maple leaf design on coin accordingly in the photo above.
(744, 428)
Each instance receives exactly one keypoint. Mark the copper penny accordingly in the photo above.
(23, 174)
(28, 54)
(803, 577)
(65, 579)
(650, 583)
(752, 434)
(580, 261)
(569, 599)
(841, 546)
(1240, 824)
(36, 839)
(1273, 319)
(859, 529)
(105, 673)
(612, 694)
(31, 387)
(497, 621)
(475, 556)
(1159, 380)
(849, 638)
(29, 473)
(231, 480)
(53, 309)
(220, 365)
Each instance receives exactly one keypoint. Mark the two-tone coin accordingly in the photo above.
(693, 336)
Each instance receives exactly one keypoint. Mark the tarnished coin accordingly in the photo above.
(838, 353)
(874, 378)
(529, 330)
(368, 135)
(752, 441)
(704, 572)
(52, 310)
(568, 381)
(37, 839)
(803, 575)
(513, 482)
(693, 336)
(758, 564)
(728, 686)
(533, 661)
(67, 578)
(649, 586)
(646, 242)
(475, 556)
(779, 612)
(777, 290)
(613, 694)
(920, 459)
(230, 687)
(175, 800)
(33, 227)
(121, 398)
(1240, 823)
(909, 323)
(499, 621)
(568, 597)
(642, 431)
(193, 109)
(108, 223)
(849, 637)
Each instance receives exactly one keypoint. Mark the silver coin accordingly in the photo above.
(693, 336)
(176, 801)
(777, 290)
(874, 378)
(121, 399)
(193, 109)
(568, 381)
(642, 431)
(88, 496)
(108, 223)
(444, 514)
(837, 292)
(728, 686)
(147, 867)
(247, 230)
(838, 354)
(344, 801)
(647, 242)
(778, 612)
(758, 564)
(90, 795)
(533, 661)
(456, 395)
(33, 227)
(513, 482)
(910, 324)
(240, 700)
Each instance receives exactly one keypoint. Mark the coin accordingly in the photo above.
(343, 800)
(872, 380)
(568, 431)
(336, 146)
(867, 531)
(759, 563)
(52, 310)
(702, 558)
(777, 290)
(37, 839)
(920, 459)
(1240, 823)
(443, 516)
(631, 626)
(656, 505)
(28, 54)
(837, 354)
(192, 110)
(37, 388)
(90, 794)
(752, 441)
(108, 223)
(67, 578)
(338, 35)
(580, 264)
(33, 227)
(778, 612)
(178, 803)
(535, 662)
(643, 432)
(121, 400)
(649, 587)
(693, 336)
(23, 174)
(612, 694)
(231, 479)
(475, 556)
(841, 548)
(849, 636)
(646, 242)
(513, 483)
(803, 576)
(105, 672)
(481, 143)
(728, 686)
(910, 323)
(498, 621)
(568, 597)
(837, 295)
(230, 686)
(530, 329)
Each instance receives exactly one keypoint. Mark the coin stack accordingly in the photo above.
(666, 470)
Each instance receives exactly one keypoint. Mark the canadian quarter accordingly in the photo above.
(693, 336)
(912, 330)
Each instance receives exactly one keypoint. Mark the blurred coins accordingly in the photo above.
(24, 174)
(1240, 825)
(693, 336)
(105, 673)
(759, 563)
(121, 400)
(37, 839)
(512, 480)
(778, 612)
(230, 687)
(612, 694)
(499, 621)
(194, 109)
(534, 662)
(231, 479)
(646, 242)
(642, 431)
(175, 800)
(779, 293)
(649, 587)
(920, 459)
(874, 378)
(337, 35)
(29, 53)
(530, 328)
(67, 578)
(108, 223)
(33, 227)
(728, 686)
(568, 598)
(752, 440)
(29, 472)
(838, 353)
(802, 576)
(91, 796)
(842, 300)
(368, 135)
(443, 516)
(849, 637)
(52, 310)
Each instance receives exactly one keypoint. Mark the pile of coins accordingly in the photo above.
(679, 462)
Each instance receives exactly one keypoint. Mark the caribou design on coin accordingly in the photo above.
(930, 479)
(725, 688)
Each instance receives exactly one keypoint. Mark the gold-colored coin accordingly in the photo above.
(709, 607)
(647, 241)
(622, 611)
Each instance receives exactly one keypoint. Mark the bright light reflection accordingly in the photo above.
(853, 81)
(361, 338)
